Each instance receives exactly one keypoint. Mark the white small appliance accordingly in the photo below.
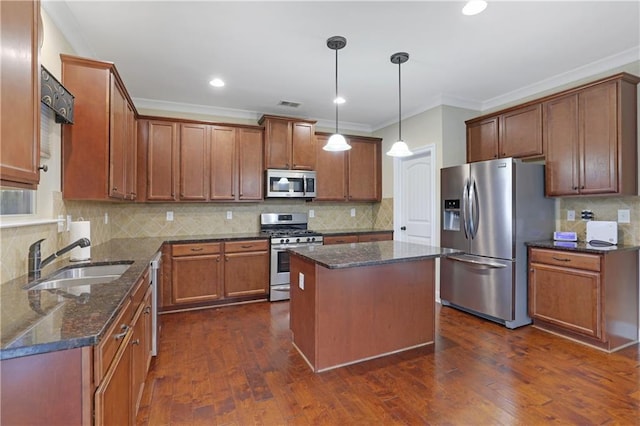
(600, 230)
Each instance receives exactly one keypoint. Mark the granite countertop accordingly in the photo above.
(39, 321)
(369, 254)
(580, 246)
(332, 232)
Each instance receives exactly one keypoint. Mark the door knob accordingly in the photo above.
(403, 228)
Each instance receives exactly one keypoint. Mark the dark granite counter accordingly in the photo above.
(48, 320)
(580, 246)
(337, 232)
(369, 254)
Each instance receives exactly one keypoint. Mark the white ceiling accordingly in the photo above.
(167, 51)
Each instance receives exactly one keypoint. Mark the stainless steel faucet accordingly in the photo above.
(35, 257)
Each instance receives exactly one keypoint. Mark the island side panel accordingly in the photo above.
(302, 307)
(620, 304)
(366, 312)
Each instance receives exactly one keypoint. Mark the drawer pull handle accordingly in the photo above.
(197, 249)
(561, 259)
(125, 330)
(247, 246)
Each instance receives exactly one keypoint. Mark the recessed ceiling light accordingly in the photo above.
(339, 100)
(216, 82)
(473, 7)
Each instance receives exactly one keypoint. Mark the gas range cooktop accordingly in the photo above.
(288, 228)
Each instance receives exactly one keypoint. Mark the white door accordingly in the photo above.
(414, 197)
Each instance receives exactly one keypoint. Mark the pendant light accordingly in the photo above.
(399, 148)
(336, 142)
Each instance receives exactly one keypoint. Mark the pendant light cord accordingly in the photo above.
(336, 98)
(399, 103)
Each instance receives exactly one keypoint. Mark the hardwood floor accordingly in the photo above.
(236, 366)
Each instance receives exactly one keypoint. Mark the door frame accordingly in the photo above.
(398, 183)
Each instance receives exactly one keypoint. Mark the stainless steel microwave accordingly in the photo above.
(290, 183)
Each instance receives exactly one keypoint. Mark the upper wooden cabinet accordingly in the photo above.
(20, 93)
(514, 133)
(289, 143)
(96, 148)
(591, 139)
(353, 175)
(157, 160)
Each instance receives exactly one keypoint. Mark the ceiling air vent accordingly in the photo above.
(289, 104)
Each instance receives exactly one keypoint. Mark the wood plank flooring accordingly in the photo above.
(236, 366)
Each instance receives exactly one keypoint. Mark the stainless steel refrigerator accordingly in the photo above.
(489, 210)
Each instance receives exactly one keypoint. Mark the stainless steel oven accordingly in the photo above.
(285, 230)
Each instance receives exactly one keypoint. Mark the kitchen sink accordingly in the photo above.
(82, 275)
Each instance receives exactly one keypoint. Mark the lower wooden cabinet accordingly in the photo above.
(365, 237)
(204, 274)
(589, 297)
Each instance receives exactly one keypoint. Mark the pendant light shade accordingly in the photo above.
(336, 142)
(399, 148)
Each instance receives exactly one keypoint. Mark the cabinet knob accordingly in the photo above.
(135, 342)
(582, 187)
(44, 168)
(115, 188)
(574, 187)
(495, 155)
(147, 310)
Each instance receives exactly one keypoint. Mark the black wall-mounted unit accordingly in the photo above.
(55, 96)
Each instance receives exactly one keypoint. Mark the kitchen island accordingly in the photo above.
(354, 302)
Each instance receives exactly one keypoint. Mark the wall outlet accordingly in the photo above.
(169, 216)
(312, 213)
(301, 280)
(61, 223)
(571, 215)
(106, 218)
(229, 214)
(624, 216)
(68, 222)
(353, 212)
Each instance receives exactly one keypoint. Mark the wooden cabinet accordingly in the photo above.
(591, 139)
(95, 149)
(196, 273)
(122, 360)
(220, 163)
(20, 93)
(289, 143)
(586, 296)
(157, 160)
(514, 133)
(364, 237)
(246, 268)
(354, 175)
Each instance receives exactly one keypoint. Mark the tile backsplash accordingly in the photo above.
(143, 220)
(603, 208)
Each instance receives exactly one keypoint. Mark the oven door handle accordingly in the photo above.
(283, 289)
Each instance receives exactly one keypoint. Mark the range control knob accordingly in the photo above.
(297, 240)
(286, 241)
(282, 241)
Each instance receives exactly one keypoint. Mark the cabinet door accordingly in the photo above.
(277, 147)
(131, 154)
(303, 146)
(561, 142)
(331, 173)
(521, 132)
(161, 161)
(140, 351)
(194, 162)
(117, 142)
(196, 278)
(113, 396)
(20, 93)
(482, 140)
(223, 163)
(250, 175)
(364, 174)
(566, 297)
(598, 139)
(246, 274)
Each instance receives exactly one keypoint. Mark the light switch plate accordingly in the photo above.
(169, 216)
(353, 212)
(106, 218)
(61, 223)
(571, 215)
(229, 215)
(301, 280)
(312, 213)
(624, 216)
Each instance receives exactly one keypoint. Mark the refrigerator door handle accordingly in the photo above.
(465, 214)
(478, 263)
(474, 218)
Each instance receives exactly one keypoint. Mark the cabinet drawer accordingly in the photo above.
(140, 289)
(340, 239)
(250, 245)
(107, 348)
(366, 238)
(590, 262)
(195, 249)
